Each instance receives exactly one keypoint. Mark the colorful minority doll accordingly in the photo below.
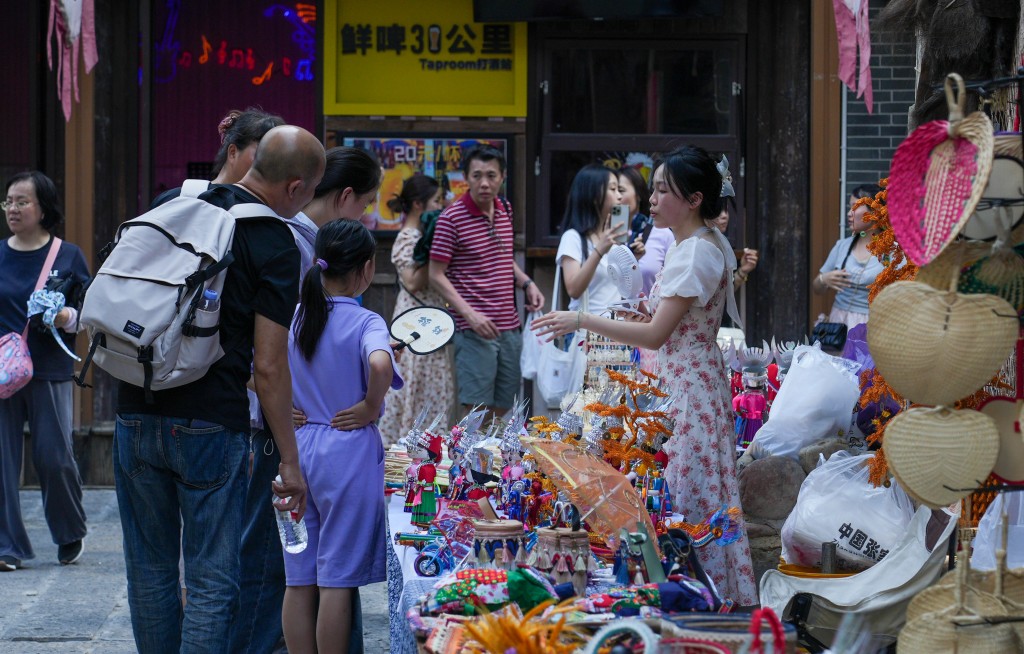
(751, 403)
(751, 407)
(424, 506)
(412, 480)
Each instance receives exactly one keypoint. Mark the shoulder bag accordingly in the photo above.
(15, 360)
(832, 335)
(562, 362)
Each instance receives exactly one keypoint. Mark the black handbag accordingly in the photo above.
(831, 335)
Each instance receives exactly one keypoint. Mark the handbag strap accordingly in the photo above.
(51, 256)
(849, 251)
(778, 634)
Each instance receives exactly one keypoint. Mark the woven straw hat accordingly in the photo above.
(989, 218)
(940, 455)
(938, 176)
(952, 260)
(1006, 414)
(936, 347)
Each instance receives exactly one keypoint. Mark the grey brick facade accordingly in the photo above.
(871, 140)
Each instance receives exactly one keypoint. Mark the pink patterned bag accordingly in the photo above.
(15, 360)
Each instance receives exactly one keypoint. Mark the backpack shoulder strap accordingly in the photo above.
(253, 210)
(193, 188)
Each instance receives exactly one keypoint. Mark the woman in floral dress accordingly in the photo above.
(429, 381)
(687, 303)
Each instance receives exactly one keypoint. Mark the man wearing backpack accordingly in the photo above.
(186, 451)
(473, 266)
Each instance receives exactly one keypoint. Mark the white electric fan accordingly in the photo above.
(624, 272)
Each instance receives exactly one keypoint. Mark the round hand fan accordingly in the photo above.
(624, 272)
(423, 329)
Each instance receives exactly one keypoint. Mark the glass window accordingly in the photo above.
(684, 90)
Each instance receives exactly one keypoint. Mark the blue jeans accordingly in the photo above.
(257, 625)
(178, 476)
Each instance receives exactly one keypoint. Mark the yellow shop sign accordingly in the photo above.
(416, 58)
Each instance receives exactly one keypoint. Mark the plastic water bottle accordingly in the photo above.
(292, 531)
(210, 301)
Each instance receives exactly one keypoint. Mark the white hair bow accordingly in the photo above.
(723, 170)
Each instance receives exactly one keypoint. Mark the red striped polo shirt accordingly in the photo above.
(479, 259)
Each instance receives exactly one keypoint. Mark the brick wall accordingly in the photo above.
(871, 140)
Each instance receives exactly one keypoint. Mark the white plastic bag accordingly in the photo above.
(532, 345)
(990, 533)
(837, 504)
(816, 401)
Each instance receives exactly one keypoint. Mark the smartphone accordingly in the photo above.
(620, 216)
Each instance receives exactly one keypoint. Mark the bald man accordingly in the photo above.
(180, 461)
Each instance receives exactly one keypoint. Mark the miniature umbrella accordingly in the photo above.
(606, 499)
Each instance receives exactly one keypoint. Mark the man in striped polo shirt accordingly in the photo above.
(472, 265)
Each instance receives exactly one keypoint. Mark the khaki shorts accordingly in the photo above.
(487, 371)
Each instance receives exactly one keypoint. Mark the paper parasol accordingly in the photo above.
(606, 499)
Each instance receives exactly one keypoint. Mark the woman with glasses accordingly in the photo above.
(32, 212)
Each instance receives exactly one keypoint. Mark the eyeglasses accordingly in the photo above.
(6, 205)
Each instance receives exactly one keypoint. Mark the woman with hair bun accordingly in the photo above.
(687, 302)
(240, 133)
(429, 378)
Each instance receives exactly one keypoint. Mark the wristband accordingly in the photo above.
(526, 284)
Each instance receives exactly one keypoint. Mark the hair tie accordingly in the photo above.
(323, 264)
(723, 170)
(227, 123)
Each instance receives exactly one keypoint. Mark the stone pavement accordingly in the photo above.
(83, 608)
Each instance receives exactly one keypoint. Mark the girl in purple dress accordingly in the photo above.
(340, 356)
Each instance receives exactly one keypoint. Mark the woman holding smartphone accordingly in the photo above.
(588, 233)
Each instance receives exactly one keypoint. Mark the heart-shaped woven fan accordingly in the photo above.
(940, 455)
(936, 347)
(938, 175)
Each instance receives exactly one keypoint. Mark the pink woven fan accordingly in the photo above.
(938, 175)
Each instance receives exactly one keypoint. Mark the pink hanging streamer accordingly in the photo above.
(68, 49)
(854, 34)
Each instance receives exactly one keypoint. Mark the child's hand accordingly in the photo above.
(355, 417)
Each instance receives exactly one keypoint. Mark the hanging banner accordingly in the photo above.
(415, 58)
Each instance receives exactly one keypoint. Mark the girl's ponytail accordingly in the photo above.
(343, 247)
(312, 316)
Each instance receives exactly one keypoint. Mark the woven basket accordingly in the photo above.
(691, 646)
(936, 633)
(981, 586)
(729, 630)
(938, 176)
(936, 347)
(940, 455)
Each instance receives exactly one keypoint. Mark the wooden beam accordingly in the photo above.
(826, 141)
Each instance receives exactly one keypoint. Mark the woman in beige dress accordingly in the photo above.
(429, 383)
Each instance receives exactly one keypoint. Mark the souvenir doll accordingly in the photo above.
(411, 479)
(751, 403)
(424, 506)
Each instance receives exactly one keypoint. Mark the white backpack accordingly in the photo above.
(141, 308)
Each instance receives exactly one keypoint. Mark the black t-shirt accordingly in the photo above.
(19, 272)
(263, 279)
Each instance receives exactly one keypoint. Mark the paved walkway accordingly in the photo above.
(83, 608)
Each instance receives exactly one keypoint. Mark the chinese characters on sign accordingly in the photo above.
(433, 40)
(861, 543)
(434, 60)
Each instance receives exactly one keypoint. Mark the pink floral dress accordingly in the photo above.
(430, 383)
(701, 471)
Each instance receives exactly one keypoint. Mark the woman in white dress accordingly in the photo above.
(686, 308)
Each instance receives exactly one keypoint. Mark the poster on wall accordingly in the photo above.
(403, 157)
